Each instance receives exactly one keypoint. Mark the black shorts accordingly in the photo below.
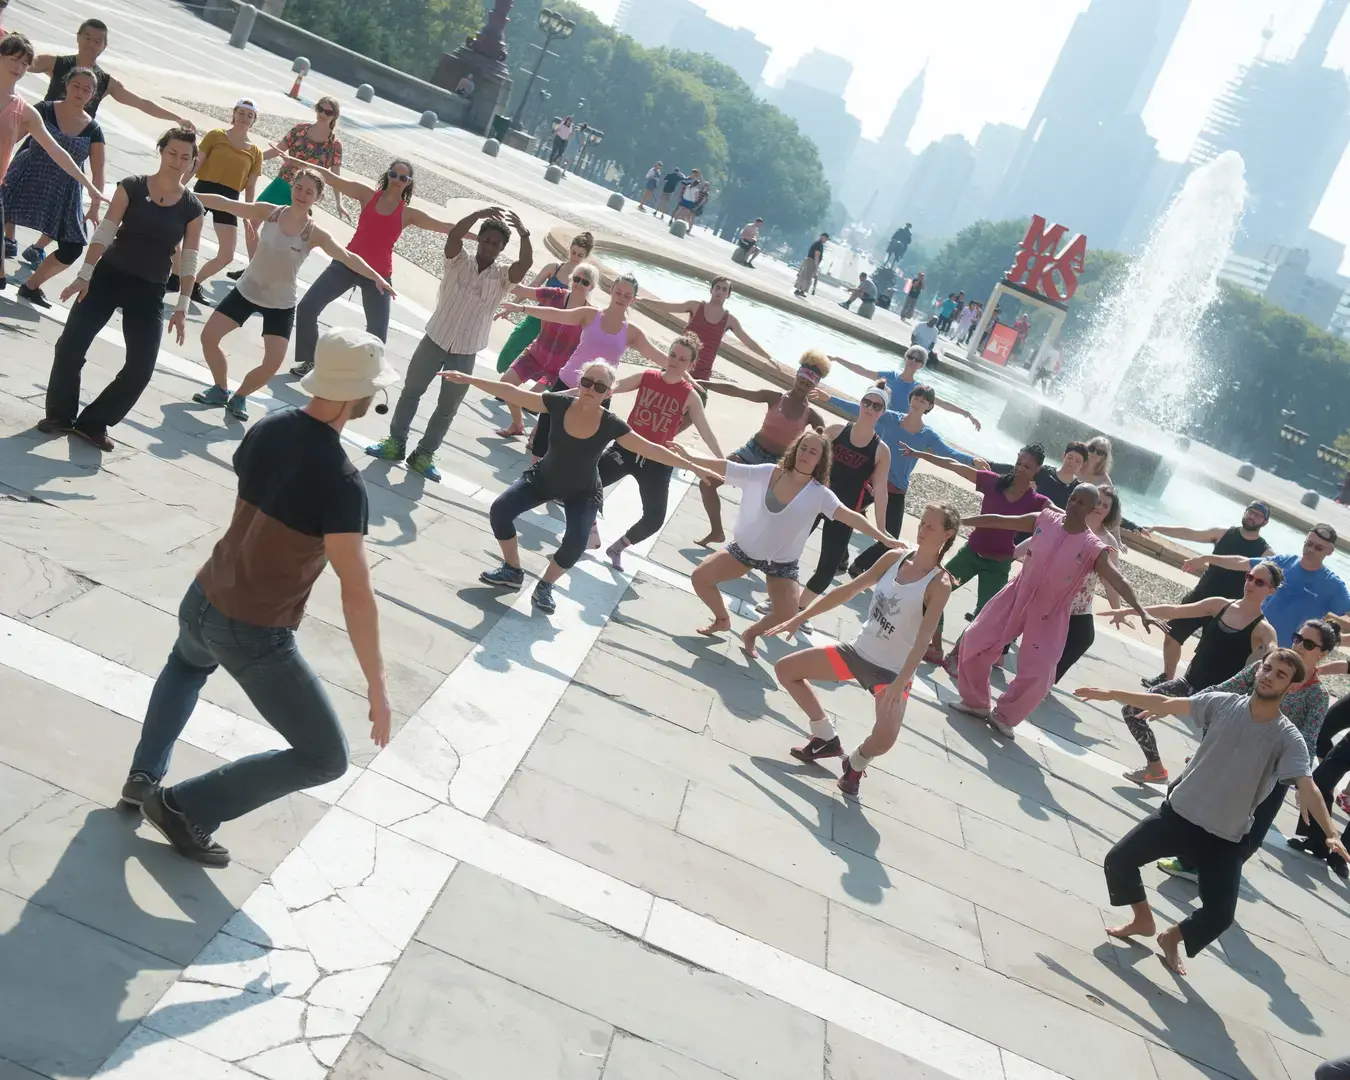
(1181, 629)
(277, 322)
(207, 187)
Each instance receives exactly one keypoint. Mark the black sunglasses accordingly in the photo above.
(1097, 450)
(394, 174)
(1306, 642)
(580, 279)
(873, 403)
(325, 111)
(598, 385)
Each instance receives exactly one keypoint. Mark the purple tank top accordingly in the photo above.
(595, 344)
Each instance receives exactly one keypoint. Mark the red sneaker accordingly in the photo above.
(848, 783)
(817, 749)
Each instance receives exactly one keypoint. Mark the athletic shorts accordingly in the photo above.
(767, 567)
(754, 454)
(745, 245)
(650, 185)
(278, 192)
(1181, 629)
(277, 322)
(848, 663)
(685, 205)
(208, 187)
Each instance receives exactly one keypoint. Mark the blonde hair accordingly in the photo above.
(951, 523)
(611, 372)
(816, 360)
(589, 269)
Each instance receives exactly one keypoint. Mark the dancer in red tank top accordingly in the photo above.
(665, 400)
(385, 213)
(709, 320)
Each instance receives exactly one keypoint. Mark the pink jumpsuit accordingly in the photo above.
(1034, 605)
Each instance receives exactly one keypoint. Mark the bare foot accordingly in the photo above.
(717, 626)
(969, 710)
(711, 539)
(748, 645)
(1139, 926)
(510, 432)
(1170, 940)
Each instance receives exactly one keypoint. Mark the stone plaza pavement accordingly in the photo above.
(586, 852)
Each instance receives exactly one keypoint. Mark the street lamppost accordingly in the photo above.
(554, 24)
(1294, 437)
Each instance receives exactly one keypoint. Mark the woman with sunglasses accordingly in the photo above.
(549, 349)
(553, 276)
(785, 418)
(1235, 634)
(901, 383)
(780, 502)
(269, 287)
(305, 145)
(385, 213)
(606, 334)
(569, 473)
(1305, 706)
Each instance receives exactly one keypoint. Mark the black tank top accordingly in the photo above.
(1221, 653)
(851, 468)
(1217, 582)
(56, 88)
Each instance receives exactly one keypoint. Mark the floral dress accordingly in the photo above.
(297, 143)
(37, 192)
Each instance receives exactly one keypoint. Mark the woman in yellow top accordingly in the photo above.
(228, 165)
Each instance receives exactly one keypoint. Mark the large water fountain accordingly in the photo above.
(1142, 369)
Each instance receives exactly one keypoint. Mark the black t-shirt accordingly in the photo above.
(1216, 581)
(571, 466)
(816, 250)
(673, 180)
(149, 233)
(56, 88)
(296, 486)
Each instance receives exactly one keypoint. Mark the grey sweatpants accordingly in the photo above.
(428, 360)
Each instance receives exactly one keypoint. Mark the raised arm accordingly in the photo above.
(764, 397)
(1015, 522)
(454, 240)
(123, 96)
(1157, 704)
(1180, 532)
(734, 325)
(353, 189)
(525, 259)
(693, 408)
(966, 472)
(857, 369)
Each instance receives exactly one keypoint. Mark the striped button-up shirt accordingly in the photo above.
(466, 303)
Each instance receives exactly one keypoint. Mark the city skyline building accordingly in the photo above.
(821, 71)
(682, 24)
(937, 184)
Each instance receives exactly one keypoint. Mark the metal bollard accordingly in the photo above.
(492, 147)
(365, 92)
(678, 228)
(1246, 471)
(429, 119)
(243, 26)
(553, 174)
(301, 64)
(1310, 499)
(615, 201)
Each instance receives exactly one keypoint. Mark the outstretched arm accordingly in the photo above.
(1199, 609)
(353, 189)
(508, 392)
(693, 408)
(648, 449)
(350, 259)
(857, 369)
(750, 343)
(1113, 579)
(857, 522)
(1157, 704)
(1180, 532)
(639, 341)
(671, 307)
(1223, 562)
(250, 211)
(419, 219)
(1015, 522)
(718, 466)
(123, 96)
(841, 594)
(576, 316)
(966, 472)
(951, 406)
(764, 397)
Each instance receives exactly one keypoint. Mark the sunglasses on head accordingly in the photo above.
(1306, 642)
(1255, 580)
(394, 174)
(581, 279)
(598, 385)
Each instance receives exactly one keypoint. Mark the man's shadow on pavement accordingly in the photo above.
(83, 962)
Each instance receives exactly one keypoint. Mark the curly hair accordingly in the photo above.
(788, 461)
(816, 360)
(690, 341)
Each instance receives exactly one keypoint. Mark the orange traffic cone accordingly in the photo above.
(295, 86)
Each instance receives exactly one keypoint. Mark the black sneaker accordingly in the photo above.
(1339, 867)
(199, 297)
(234, 275)
(817, 749)
(139, 787)
(508, 577)
(187, 837)
(1149, 684)
(543, 598)
(34, 297)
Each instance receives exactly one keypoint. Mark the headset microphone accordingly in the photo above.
(383, 407)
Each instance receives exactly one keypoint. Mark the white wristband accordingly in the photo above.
(85, 272)
(183, 303)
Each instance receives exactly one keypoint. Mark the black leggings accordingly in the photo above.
(653, 481)
(1218, 862)
(1082, 633)
(895, 518)
(527, 493)
(834, 538)
(1326, 776)
(1338, 719)
(1141, 729)
(544, 425)
(142, 305)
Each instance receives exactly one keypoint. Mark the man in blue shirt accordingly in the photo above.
(899, 431)
(901, 383)
(1310, 590)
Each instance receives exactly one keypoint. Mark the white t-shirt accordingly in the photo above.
(689, 192)
(924, 335)
(779, 537)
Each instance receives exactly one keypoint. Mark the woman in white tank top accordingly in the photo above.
(269, 286)
(909, 591)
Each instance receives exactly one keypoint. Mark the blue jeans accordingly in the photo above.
(265, 661)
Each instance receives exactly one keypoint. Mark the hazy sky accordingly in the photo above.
(988, 59)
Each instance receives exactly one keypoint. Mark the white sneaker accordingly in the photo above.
(1007, 731)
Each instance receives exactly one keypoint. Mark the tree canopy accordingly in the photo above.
(406, 34)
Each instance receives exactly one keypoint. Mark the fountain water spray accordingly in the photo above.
(1142, 358)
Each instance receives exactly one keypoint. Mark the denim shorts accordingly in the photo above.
(754, 454)
(767, 567)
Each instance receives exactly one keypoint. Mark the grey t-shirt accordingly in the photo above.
(1236, 766)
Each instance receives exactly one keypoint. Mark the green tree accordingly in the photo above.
(409, 35)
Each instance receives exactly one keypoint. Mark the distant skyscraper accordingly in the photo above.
(879, 167)
(651, 22)
(736, 47)
(903, 116)
(1085, 153)
(1290, 121)
(936, 186)
(823, 71)
(994, 151)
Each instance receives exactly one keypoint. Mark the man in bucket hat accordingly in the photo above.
(301, 504)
